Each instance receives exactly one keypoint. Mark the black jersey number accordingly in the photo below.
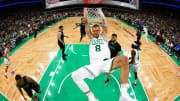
(98, 48)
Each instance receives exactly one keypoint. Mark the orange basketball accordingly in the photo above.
(93, 1)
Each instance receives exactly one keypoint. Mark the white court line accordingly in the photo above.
(59, 91)
(53, 76)
(144, 89)
(116, 82)
(132, 89)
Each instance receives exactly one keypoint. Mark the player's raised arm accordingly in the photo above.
(104, 23)
(87, 27)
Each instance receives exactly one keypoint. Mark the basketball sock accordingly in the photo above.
(124, 88)
(11, 67)
(90, 95)
(124, 85)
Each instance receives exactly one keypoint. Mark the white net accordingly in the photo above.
(93, 14)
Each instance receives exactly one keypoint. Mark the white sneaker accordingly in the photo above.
(125, 97)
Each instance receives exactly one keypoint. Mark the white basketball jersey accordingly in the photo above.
(98, 49)
(136, 60)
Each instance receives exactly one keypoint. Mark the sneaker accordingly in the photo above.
(106, 82)
(5, 76)
(12, 72)
(134, 84)
(125, 97)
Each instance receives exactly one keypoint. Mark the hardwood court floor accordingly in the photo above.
(157, 72)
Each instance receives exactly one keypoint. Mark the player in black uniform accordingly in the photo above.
(82, 29)
(60, 37)
(27, 84)
(138, 34)
(114, 46)
(115, 49)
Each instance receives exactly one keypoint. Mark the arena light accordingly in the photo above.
(146, 79)
(149, 85)
(156, 99)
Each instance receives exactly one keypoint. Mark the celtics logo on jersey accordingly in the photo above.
(97, 43)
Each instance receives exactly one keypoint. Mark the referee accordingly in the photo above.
(60, 37)
(114, 46)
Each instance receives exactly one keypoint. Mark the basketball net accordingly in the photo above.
(93, 15)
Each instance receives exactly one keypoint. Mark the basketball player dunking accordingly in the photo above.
(100, 61)
(7, 61)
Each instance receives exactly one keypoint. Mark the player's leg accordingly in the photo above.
(11, 67)
(78, 77)
(36, 87)
(138, 38)
(30, 94)
(134, 68)
(135, 73)
(81, 37)
(5, 75)
(62, 47)
(134, 83)
(122, 62)
(35, 33)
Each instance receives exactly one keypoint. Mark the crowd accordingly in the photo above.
(18, 26)
(162, 27)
